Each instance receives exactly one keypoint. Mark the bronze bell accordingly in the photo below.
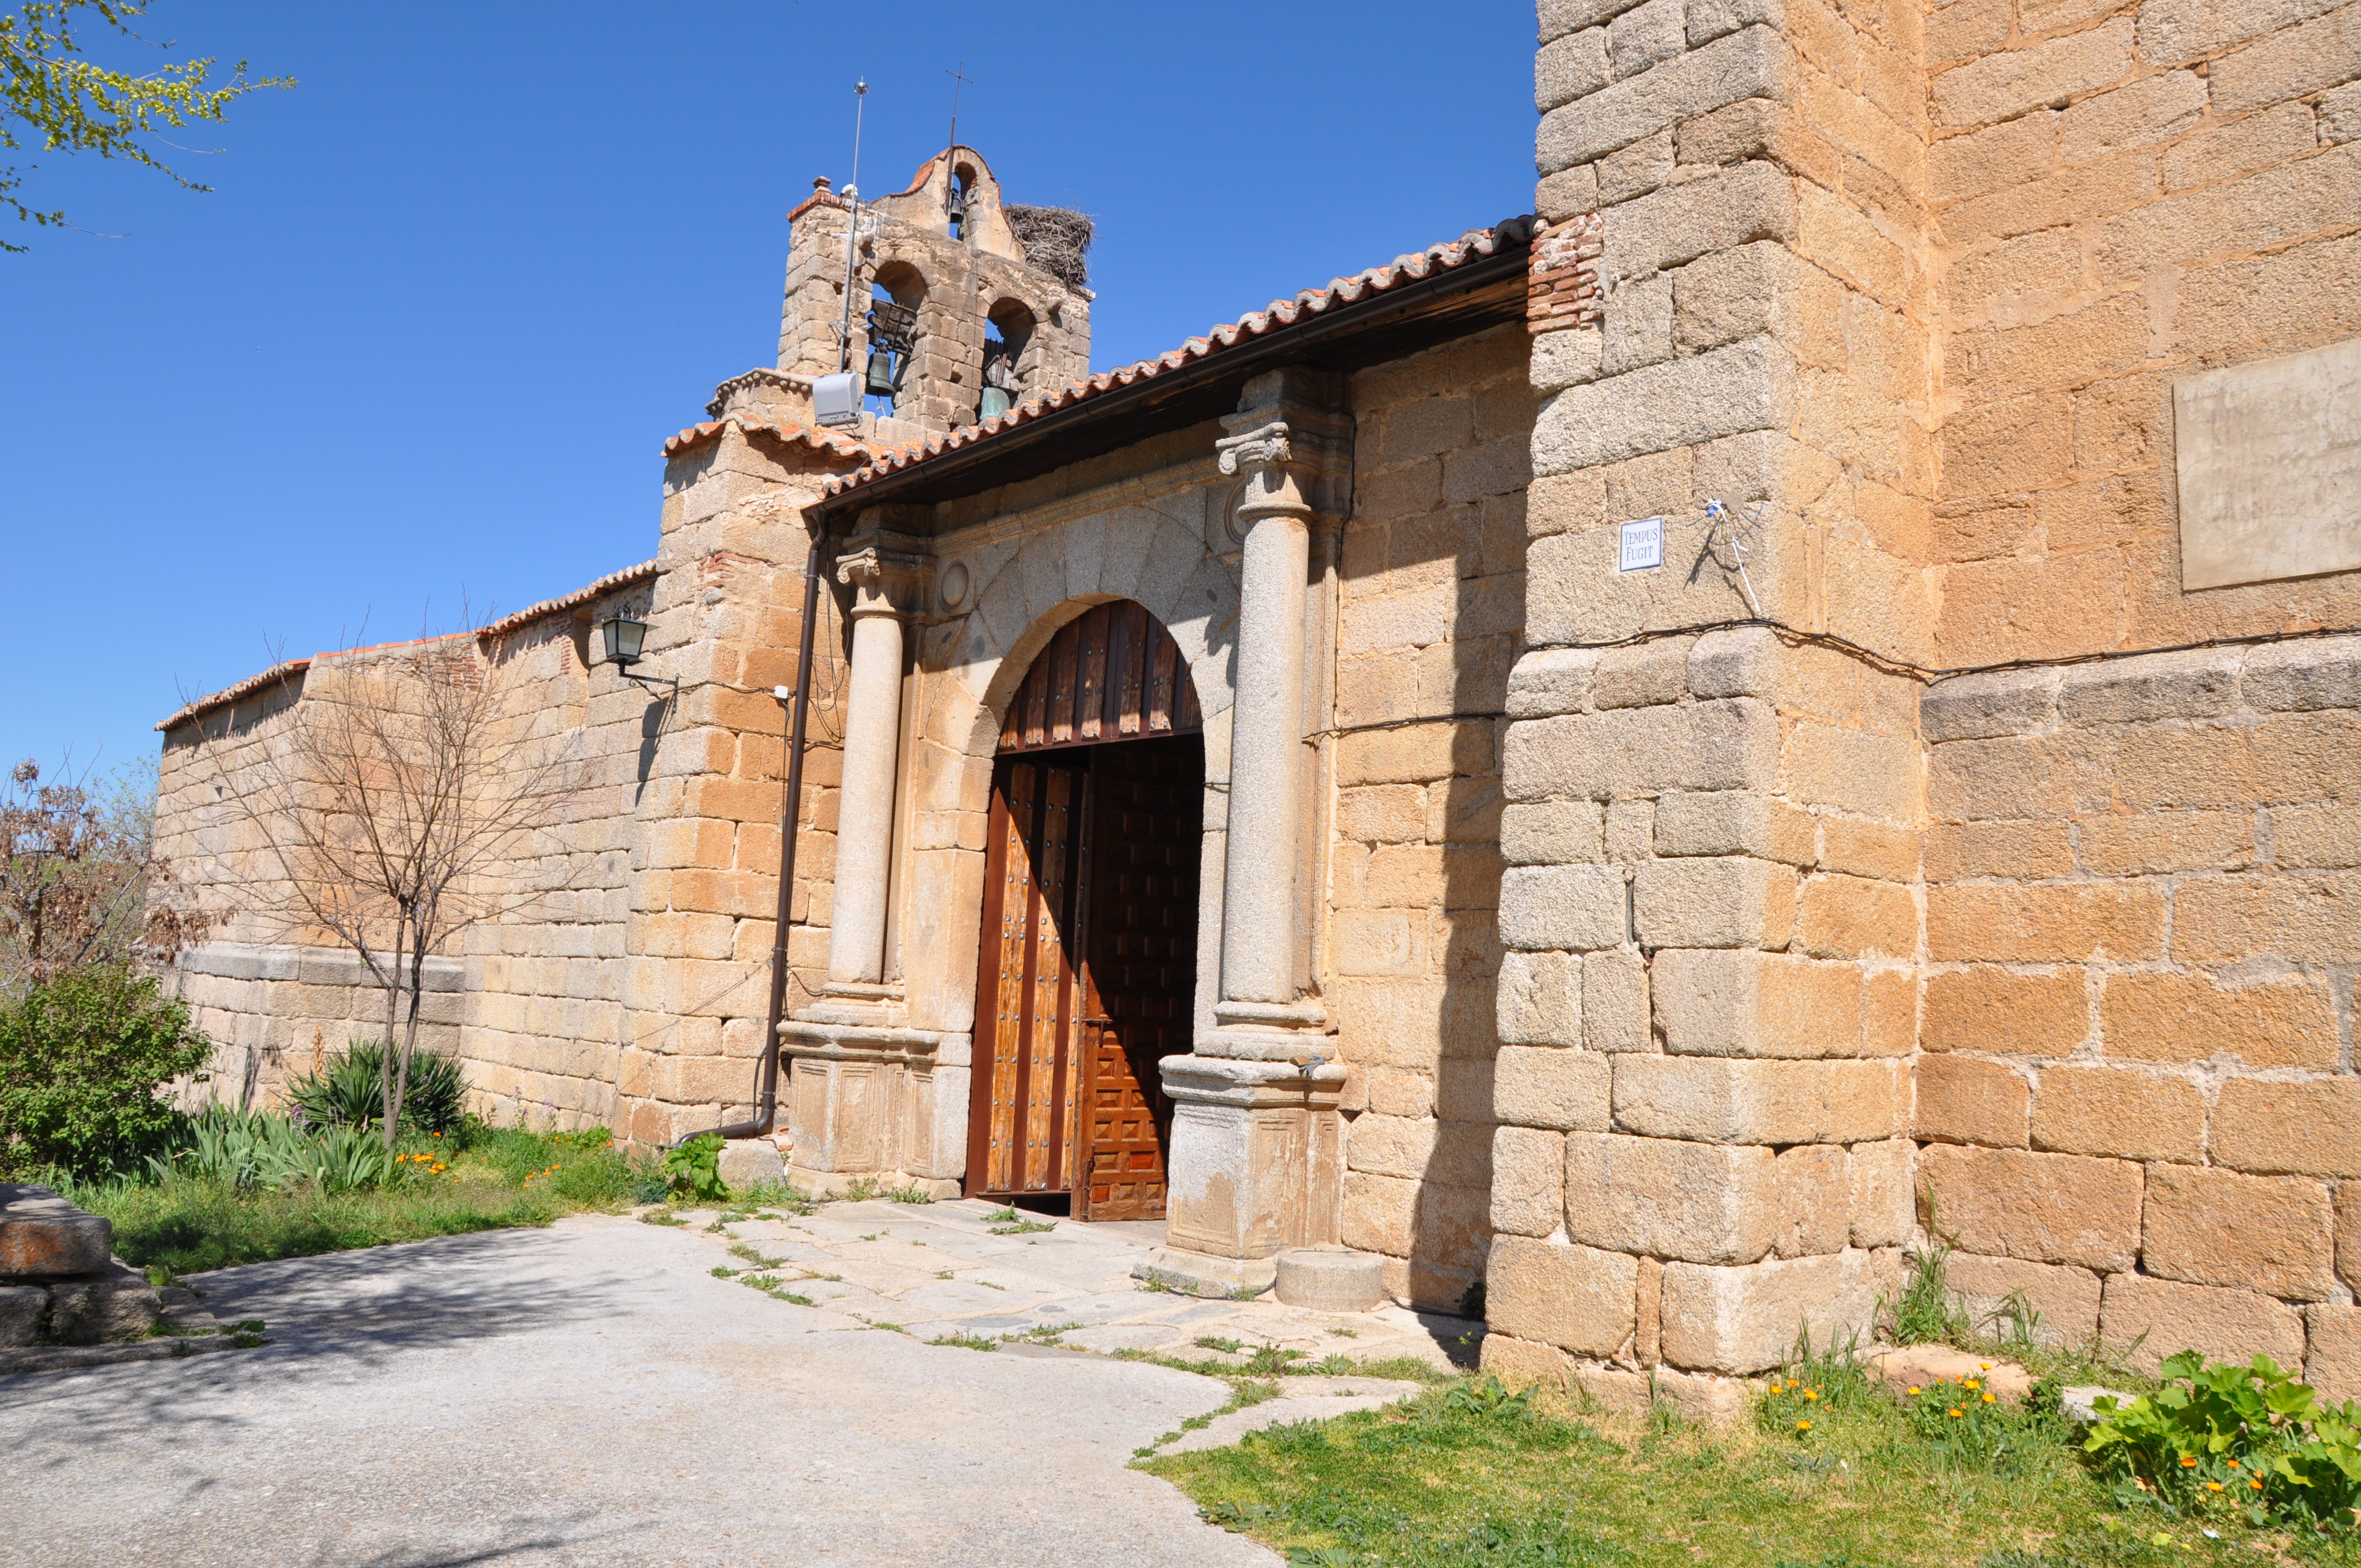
(881, 379)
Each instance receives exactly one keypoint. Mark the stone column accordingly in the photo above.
(873, 728)
(1258, 935)
(861, 1094)
(1256, 1153)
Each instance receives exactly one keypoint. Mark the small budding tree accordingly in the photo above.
(80, 883)
(397, 804)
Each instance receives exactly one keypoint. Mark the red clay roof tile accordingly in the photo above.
(1281, 314)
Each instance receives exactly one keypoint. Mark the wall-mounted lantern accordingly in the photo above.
(622, 639)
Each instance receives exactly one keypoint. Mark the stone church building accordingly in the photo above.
(1803, 700)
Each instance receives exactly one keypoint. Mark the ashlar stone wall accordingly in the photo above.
(625, 980)
(1430, 619)
(2123, 194)
(2143, 915)
(1712, 838)
(1908, 288)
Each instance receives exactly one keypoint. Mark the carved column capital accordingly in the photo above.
(1266, 445)
(884, 580)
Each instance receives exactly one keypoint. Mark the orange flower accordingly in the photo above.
(2187, 1462)
(1803, 1426)
(2255, 1482)
(1957, 1412)
(2212, 1485)
(1914, 1391)
(1988, 1399)
(1969, 1383)
(1811, 1393)
(2233, 1465)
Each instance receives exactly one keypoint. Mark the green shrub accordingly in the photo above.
(82, 1058)
(349, 1090)
(2228, 1440)
(694, 1170)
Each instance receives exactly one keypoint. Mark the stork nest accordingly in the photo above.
(1055, 239)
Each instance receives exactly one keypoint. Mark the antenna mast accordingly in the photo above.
(852, 229)
(958, 78)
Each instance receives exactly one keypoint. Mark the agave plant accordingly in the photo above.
(348, 1089)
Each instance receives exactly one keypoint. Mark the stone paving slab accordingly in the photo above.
(588, 1396)
(1072, 1274)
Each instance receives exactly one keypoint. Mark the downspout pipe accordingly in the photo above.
(766, 1071)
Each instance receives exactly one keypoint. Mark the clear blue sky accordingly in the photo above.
(426, 336)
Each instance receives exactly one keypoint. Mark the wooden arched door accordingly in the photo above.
(1087, 970)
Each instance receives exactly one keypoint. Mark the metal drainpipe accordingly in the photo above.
(766, 1072)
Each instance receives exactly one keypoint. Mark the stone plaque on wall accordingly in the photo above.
(2269, 461)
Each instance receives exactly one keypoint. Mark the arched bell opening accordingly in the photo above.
(894, 296)
(1087, 969)
(1007, 358)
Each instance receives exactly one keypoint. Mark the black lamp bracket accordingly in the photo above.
(669, 684)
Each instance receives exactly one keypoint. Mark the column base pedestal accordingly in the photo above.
(1256, 1163)
(866, 1097)
(1199, 1273)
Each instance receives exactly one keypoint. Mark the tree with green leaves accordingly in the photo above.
(51, 94)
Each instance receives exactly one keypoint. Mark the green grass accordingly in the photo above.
(494, 1179)
(1466, 1474)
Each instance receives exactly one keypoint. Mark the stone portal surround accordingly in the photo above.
(883, 1062)
(880, 1066)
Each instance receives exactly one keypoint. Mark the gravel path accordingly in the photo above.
(588, 1395)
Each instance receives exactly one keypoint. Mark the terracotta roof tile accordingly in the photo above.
(644, 572)
(1311, 303)
(286, 670)
(826, 441)
(229, 696)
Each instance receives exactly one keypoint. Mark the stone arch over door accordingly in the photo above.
(1088, 922)
(1009, 596)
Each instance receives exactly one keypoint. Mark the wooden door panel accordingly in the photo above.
(1024, 1132)
(1147, 809)
(1088, 963)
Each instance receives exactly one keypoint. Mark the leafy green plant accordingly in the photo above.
(82, 1057)
(1487, 1398)
(693, 1169)
(1962, 1421)
(2236, 1440)
(349, 1090)
(911, 1193)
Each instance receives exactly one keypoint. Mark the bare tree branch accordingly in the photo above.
(397, 803)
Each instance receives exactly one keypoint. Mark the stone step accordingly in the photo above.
(42, 1235)
(65, 1357)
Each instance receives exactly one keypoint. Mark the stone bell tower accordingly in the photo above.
(963, 307)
